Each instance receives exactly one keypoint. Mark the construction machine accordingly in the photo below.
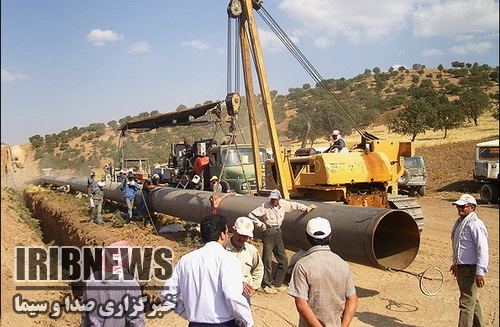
(192, 166)
(366, 176)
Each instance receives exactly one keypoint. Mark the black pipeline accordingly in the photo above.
(372, 237)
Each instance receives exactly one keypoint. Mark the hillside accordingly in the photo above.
(78, 150)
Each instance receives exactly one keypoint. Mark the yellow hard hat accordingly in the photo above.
(214, 178)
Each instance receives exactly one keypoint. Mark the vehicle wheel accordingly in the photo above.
(489, 193)
(404, 179)
(421, 190)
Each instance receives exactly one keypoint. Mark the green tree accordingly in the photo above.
(376, 70)
(414, 119)
(449, 116)
(457, 64)
(440, 67)
(36, 141)
(474, 102)
(113, 124)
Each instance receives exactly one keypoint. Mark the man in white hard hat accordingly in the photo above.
(469, 238)
(251, 262)
(338, 142)
(321, 281)
(268, 217)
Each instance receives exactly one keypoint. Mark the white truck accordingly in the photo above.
(487, 170)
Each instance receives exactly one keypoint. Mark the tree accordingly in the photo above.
(376, 70)
(449, 116)
(440, 67)
(113, 124)
(414, 119)
(474, 102)
(36, 141)
(457, 64)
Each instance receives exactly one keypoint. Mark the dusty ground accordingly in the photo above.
(387, 299)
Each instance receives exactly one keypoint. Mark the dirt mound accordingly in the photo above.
(450, 166)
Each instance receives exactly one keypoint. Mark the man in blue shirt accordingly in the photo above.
(129, 190)
(469, 239)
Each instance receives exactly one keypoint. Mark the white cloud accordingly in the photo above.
(322, 42)
(432, 52)
(142, 46)
(99, 37)
(12, 77)
(356, 20)
(197, 44)
(449, 17)
(464, 37)
(479, 47)
(269, 41)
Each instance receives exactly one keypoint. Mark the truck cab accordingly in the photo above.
(486, 170)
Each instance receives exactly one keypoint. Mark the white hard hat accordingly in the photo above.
(335, 132)
(318, 228)
(244, 226)
(275, 194)
(465, 199)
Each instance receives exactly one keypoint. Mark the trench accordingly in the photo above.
(63, 223)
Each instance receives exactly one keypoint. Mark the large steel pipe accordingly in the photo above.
(373, 237)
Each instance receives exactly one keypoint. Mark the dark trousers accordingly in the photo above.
(470, 310)
(272, 241)
(230, 323)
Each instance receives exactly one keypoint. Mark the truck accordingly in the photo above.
(486, 170)
(192, 166)
(233, 164)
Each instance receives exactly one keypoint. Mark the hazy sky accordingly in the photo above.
(70, 63)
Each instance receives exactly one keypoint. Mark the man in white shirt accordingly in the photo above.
(251, 262)
(268, 217)
(205, 287)
(469, 238)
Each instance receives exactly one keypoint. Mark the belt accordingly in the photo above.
(272, 226)
(466, 265)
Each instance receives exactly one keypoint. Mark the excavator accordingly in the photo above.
(366, 176)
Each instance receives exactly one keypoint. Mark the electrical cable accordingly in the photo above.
(311, 70)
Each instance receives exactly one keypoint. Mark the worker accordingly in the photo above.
(321, 281)
(91, 182)
(250, 259)
(147, 186)
(156, 181)
(110, 287)
(272, 214)
(338, 142)
(216, 186)
(205, 287)
(120, 177)
(469, 238)
(129, 191)
(97, 195)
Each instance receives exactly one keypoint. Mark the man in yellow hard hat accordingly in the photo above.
(216, 187)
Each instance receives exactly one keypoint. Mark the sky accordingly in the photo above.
(69, 63)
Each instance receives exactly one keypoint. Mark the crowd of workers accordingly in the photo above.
(213, 285)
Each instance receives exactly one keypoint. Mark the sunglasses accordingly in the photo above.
(462, 206)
